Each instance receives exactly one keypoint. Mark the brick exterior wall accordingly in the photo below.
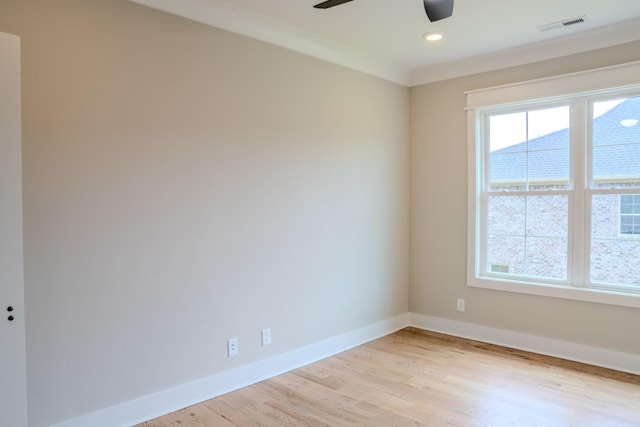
(529, 234)
(614, 258)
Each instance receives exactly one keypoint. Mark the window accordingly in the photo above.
(526, 201)
(554, 202)
(630, 214)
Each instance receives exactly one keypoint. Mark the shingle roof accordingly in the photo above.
(616, 150)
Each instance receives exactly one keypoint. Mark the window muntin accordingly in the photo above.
(630, 214)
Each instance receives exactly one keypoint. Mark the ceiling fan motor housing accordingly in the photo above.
(438, 9)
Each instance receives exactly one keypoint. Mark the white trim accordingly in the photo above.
(231, 17)
(166, 401)
(575, 88)
(557, 87)
(473, 195)
(597, 356)
(600, 296)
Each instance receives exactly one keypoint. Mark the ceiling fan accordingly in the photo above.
(436, 9)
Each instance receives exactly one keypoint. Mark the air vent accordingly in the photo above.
(563, 24)
(572, 22)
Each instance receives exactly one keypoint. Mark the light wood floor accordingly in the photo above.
(419, 378)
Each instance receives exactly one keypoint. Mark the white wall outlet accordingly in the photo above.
(232, 347)
(266, 336)
(461, 305)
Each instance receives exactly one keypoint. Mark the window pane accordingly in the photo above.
(616, 143)
(527, 235)
(616, 121)
(529, 149)
(616, 166)
(626, 205)
(506, 254)
(630, 214)
(615, 240)
(604, 216)
(508, 171)
(629, 225)
(506, 215)
(507, 130)
(548, 128)
(548, 216)
(548, 230)
(615, 262)
(548, 169)
(547, 257)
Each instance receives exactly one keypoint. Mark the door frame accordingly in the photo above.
(13, 393)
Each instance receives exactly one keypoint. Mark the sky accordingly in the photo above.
(510, 129)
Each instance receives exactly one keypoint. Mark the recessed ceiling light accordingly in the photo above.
(433, 37)
(628, 122)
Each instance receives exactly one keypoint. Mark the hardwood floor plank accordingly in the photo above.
(420, 378)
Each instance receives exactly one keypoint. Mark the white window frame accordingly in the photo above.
(603, 82)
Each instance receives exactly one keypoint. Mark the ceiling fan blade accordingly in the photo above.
(330, 3)
(438, 9)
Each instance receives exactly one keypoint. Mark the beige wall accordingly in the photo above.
(439, 220)
(184, 185)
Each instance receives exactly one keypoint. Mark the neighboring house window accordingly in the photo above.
(630, 214)
(554, 193)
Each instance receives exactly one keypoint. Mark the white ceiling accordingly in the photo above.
(384, 37)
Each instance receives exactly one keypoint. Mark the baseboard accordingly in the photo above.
(605, 358)
(148, 407)
(166, 401)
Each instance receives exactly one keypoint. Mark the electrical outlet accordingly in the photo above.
(461, 305)
(266, 336)
(232, 347)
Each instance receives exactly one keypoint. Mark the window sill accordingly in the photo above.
(557, 291)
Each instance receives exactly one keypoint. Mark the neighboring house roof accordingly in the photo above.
(616, 151)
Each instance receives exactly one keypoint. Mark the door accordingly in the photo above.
(13, 380)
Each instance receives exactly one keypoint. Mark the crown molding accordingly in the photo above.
(598, 38)
(230, 17)
(227, 16)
